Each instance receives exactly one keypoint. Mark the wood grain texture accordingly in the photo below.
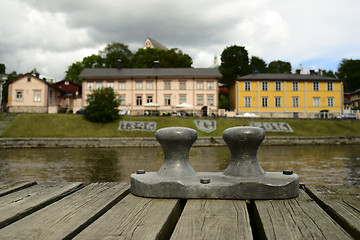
(135, 218)
(213, 219)
(65, 218)
(10, 187)
(340, 202)
(19, 204)
(298, 218)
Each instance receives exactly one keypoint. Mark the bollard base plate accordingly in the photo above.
(216, 185)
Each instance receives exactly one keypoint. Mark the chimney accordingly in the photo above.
(298, 71)
(156, 64)
(119, 64)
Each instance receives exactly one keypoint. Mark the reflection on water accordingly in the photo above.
(335, 164)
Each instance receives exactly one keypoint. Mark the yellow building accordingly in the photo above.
(287, 95)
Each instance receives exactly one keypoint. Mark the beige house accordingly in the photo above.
(29, 93)
(160, 90)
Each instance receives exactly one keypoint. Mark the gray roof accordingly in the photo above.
(97, 73)
(157, 44)
(286, 76)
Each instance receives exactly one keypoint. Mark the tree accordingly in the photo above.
(102, 106)
(234, 63)
(173, 58)
(114, 52)
(279, 67)
(2, 68)
(257, 65)
(349, 70)
(74, 71)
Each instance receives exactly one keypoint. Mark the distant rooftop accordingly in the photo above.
(151, 43)
(286, 76)
(148, 72)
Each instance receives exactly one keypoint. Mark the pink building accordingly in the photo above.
(31, 94)
(163, 90)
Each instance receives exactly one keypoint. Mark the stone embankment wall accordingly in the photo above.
(151, 142)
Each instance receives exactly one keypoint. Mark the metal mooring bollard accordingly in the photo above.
(242, 179)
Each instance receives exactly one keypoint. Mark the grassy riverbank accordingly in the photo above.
(67, 125)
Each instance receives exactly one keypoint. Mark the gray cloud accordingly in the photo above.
(50, 35)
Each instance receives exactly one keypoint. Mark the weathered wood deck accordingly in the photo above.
(108, 211)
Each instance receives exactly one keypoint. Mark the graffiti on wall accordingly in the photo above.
(272, 126)
(137, 126)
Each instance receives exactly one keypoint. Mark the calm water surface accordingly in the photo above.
(335, 164)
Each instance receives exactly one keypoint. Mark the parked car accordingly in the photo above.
(348, 116)
(80, 111)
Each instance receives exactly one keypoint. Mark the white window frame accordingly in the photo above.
(210, 85)
(247, 86)
(182, 98)
(200, 86)
(167, 85)
(210, 100)
(19, 95)
(167, 100)
(121, 85)
(110, 85)
(90, 86)
(200, 100)
(149, 99)
(277, 85)
(122, 100)
(37, 95)
(98, 85)
(264, 85)
(295, 85)
(138, 86)
(316, 86)
(330, 86)
(182, 85)
(295, 101)
(330, 102)
(149, 85)
(264, 101)
(247, 101)
(316, 101)
(138, 100)
(277, 102)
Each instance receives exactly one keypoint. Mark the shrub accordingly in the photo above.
(102, 106)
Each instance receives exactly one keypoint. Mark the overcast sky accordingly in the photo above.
(51, 35)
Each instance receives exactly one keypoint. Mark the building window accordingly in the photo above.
(122, 100)
(149, 99)
(295, 86)
(37, 96)
(121, 85)
(138, 100)
(210, 85)
(330, 102)
(98, 85)
(277, 101)
(315, 86)
(90, 86)
(329, 86)
(200, 86)
(295, 101)
(264, 101)
(316, 102)
(19, 96)
(277, 86)
(182, 99)
(210, 100)
(182, 85)
(138, 85)
(264, 85)
(247, 101)
(29, 79)
(167, 85)
(149, 85)
(167, 100)
(200, 100)
(247, 86)
(110, 85)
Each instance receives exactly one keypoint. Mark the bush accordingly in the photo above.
(102, 106)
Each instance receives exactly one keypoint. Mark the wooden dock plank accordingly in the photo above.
(213, 219)
(9, 187)
(340, 202)
(19, 204)
(298, 218)
(136, 218)
(67, 217)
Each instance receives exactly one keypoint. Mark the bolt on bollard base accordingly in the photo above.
(242, 179)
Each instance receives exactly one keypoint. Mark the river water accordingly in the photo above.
(333, 164)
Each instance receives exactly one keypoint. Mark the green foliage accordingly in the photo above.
(349, 70)
(257, 65)
(279, 67)
(102, 106)
(74, 71)
(234, 64)
(2, 68)
(114, 52)
(173, 58)
(223, 101)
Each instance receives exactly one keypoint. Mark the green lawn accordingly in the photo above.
(67, 125)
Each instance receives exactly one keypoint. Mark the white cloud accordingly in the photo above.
(51, 35)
